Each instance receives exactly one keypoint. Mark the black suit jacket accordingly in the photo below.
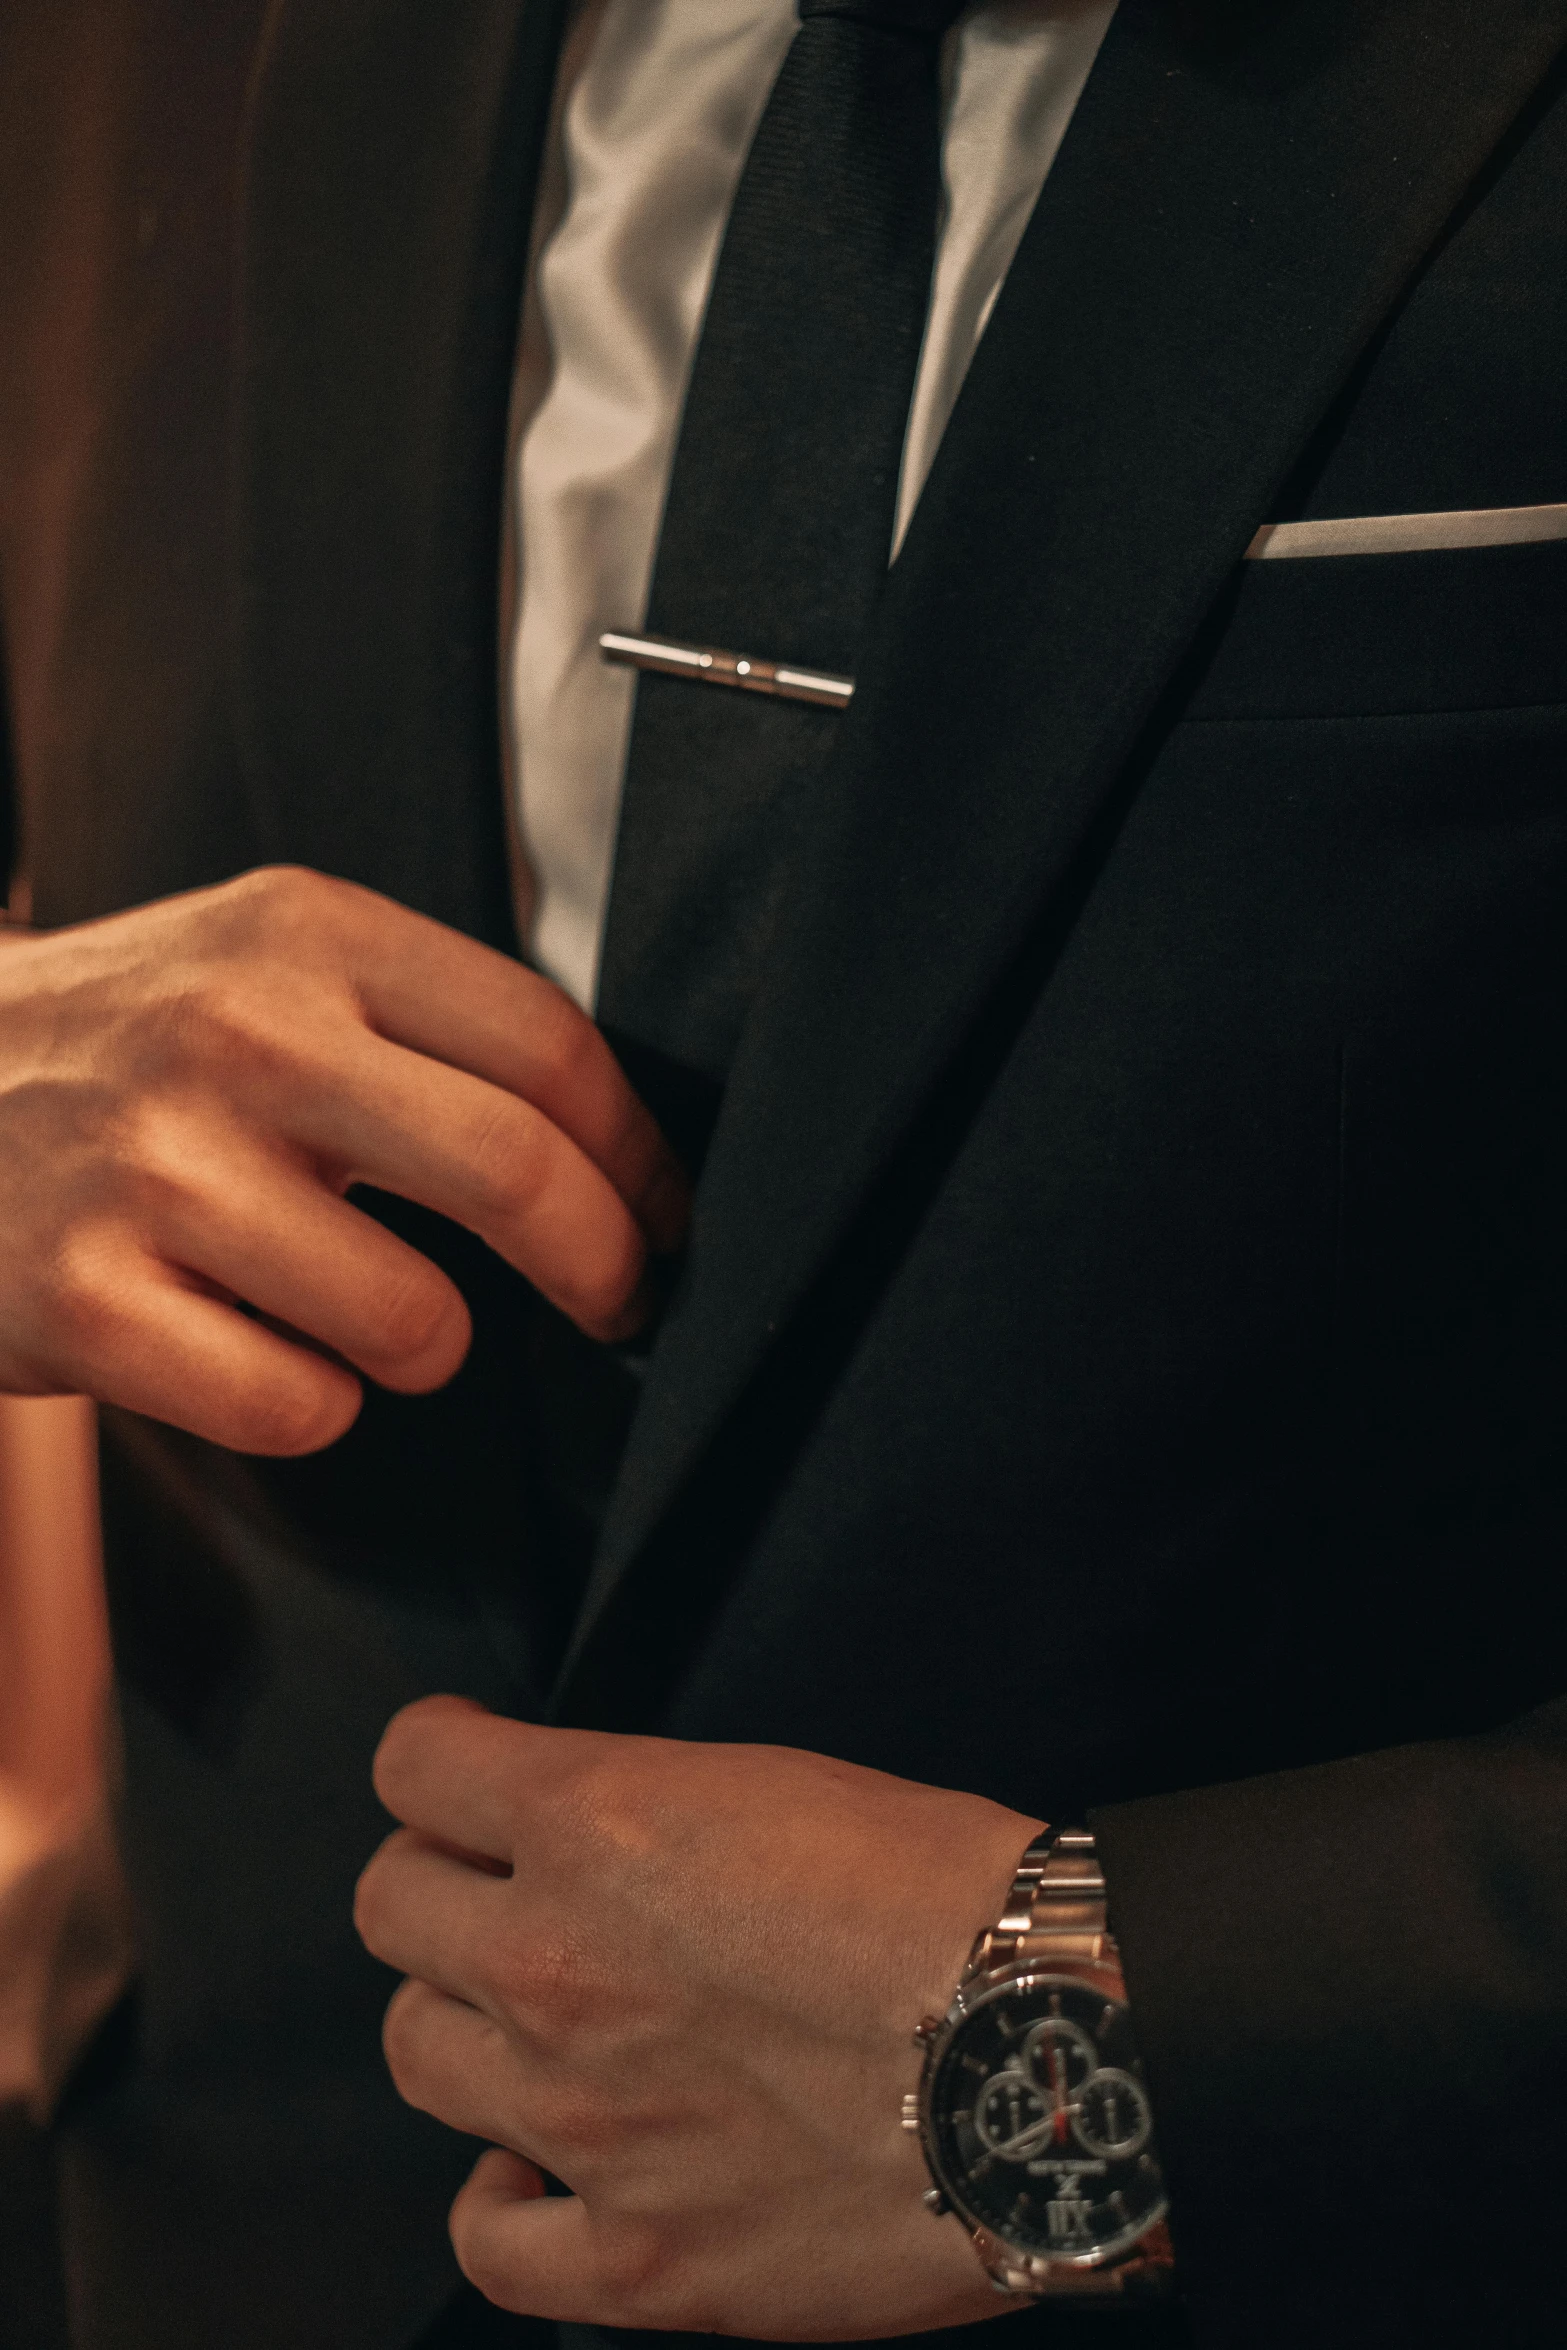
(1119, 1366)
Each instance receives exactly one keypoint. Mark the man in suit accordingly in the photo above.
(1113, 1366)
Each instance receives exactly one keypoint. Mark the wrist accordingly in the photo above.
(1033, 2112)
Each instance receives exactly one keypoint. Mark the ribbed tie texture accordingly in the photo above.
(778, 525)
(919, 19)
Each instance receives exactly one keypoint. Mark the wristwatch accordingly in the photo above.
(1032, 2109)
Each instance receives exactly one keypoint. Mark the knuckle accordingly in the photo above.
(367, 1904)
(639, 2270)
(547, 1980)
(534, 1195)
(607, 1282)
(567, 1046)
(227, 1025)
(478, 2254)
(401, 1758)
(399, 1749)
(155, 1157)
(291, 907)
(402, 2041)
(284, 894)
(80, 1302)
(296, 1414)
(515, 1166)
(510, 1161)
(418, 1314)
(591, 2124)
(609, 1815)
(599, 1802)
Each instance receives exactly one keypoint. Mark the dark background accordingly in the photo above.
(32, 2292)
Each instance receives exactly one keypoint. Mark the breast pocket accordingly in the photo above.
(1382, 635)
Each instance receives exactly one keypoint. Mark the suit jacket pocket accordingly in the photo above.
(1379, 635)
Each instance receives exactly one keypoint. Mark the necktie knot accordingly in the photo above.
(917, 19)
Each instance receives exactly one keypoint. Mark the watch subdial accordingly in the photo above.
(1011, 2118)
(1110, 2115)
(1058, 2057)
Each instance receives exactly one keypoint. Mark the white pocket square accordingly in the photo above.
(1408, 534)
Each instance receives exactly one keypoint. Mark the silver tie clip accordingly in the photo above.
(705, 665)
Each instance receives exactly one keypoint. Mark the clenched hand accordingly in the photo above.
(682, 1980)
(188, 1091)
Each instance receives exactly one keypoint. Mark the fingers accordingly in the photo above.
(445, 997)
(458, 2065)
(532, 2254)
(272, 1235)
(454, 2062)
(491, 1162)
(142, 1336)
(161, 1067)
(291, 1012)
(541, 2255)
(426, 1913)
(461, 1775)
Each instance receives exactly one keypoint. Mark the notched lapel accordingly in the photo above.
(391, 154)
(1227, 225)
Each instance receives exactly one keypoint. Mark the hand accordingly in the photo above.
(186, 1093)
(682, 1979)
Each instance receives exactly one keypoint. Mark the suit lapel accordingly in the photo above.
(1226, 227)
(391, 154)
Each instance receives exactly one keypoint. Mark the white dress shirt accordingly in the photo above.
(655, 109)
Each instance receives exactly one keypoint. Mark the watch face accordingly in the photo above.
(1037, 2121)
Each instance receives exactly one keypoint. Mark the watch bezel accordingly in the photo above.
(1034, 2270)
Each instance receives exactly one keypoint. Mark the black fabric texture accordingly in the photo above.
(386, 178)
(1080, 530)
(777, 529)
(1364, 636)
(1467, 1838)
(32, 2291)
(1118, 1366)
(469, 2322)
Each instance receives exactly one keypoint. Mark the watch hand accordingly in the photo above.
(1053, 2125)
(1026, 2140)
(1058, 2083)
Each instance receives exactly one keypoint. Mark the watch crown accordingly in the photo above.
(925, 2030)
(911, 2112)
(935, 2202)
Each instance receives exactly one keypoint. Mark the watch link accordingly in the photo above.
(1032, 2109)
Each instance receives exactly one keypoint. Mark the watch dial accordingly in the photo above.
(1038, 2122)
(1112, 2116)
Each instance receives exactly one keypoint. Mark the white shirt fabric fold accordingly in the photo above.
(657, 104)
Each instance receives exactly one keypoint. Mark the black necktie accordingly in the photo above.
(778, 524)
